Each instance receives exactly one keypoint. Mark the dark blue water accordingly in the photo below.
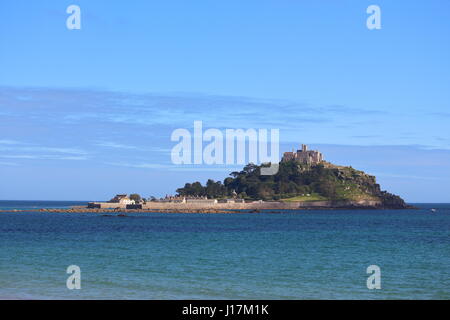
(320, 254)
(34, 204)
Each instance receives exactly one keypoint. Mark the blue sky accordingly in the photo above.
(88, 113)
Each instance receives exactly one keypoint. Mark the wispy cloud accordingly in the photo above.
(139, 165)
(2, 163)
(9, 142)
(115, 145)
(20, 150)
(42, 157)
(75, 151)
(407, 176)
(90, 106)
(172, 167)
(133, 130)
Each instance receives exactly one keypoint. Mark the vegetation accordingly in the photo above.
(306, 197)
(293, 182)
(213, 189)
(136, 197)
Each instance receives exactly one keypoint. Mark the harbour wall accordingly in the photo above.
(240, 206)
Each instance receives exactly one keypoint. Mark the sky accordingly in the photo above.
(89, 113)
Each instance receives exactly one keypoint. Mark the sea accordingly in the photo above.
(305, 254)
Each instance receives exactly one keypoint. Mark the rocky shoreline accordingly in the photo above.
(122, 212)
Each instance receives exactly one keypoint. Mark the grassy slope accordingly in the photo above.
(312, 197)
(350, 186)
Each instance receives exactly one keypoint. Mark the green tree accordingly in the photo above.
(292, 179)
(136, 197)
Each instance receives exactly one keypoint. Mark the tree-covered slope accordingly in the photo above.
(297, 182)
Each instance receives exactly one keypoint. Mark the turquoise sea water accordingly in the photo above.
(317, 254)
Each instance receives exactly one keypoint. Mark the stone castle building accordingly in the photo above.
(304, 156)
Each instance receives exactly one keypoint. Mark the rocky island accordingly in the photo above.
(304, 181)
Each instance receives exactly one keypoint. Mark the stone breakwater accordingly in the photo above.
(255, 207)
(120, 211)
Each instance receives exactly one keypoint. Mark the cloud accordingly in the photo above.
(139, 165)
(43, 157)
(54, 149)
(8, 164)
(115, 145)
(66, 150)
(9, 142)
(29, 151)
(413, 177)
(172, 167)
(366, 136)
(129, 129)
(95, 106)
(341, 109)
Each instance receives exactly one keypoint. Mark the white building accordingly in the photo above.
(122, 199)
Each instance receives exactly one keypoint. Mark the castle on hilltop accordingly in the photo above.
(304, 156)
